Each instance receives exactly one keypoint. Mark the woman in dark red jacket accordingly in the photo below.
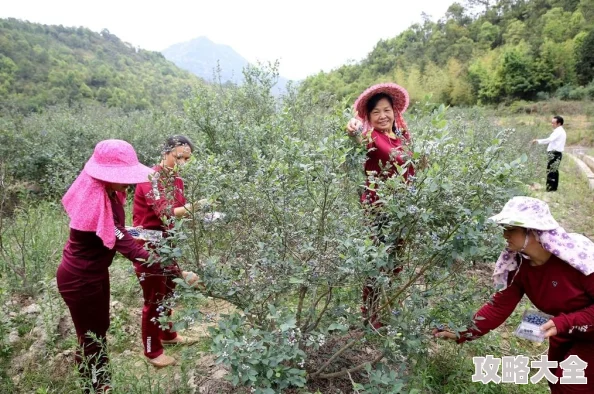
(380, 126)
(94, 204)
(162, 197)
(553, 269)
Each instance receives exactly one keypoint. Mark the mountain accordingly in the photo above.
(202, 57)
(42, 65)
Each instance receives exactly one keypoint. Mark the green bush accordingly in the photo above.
(590, 90)
(563, 92)
(31, 243)
(295, 247)
(578, 93)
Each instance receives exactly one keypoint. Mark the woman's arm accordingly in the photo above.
(583, 317)
(128, 247)
(189, 208)
(492, 314)
(161, 201)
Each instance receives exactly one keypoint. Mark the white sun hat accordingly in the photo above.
(531, 213)
(526, 212)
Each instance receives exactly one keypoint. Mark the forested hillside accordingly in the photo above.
(483, 51)
(43, 65)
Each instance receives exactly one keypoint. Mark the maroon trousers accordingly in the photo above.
(88, 302)
(157, 285)
(371, 294)
(560, 349)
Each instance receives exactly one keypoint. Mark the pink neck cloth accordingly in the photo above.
(89, 207)
(574, 249)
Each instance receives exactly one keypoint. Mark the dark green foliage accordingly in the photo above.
(43, 65)
(585, 59)
(481, 51)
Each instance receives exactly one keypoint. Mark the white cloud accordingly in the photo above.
(306, 36)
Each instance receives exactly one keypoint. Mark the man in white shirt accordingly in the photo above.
(556, 145)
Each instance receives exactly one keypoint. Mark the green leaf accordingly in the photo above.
(338, 326)
(291, 323)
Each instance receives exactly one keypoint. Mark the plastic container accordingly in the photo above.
(529, 327)
(145, 234)
(213, 217)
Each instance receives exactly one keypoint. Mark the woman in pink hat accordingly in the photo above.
(94, 204)
(554, 270)
(380, 125)
(162, 197)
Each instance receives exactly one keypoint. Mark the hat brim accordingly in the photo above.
(125, 175)
(505, 220)
(399, 96)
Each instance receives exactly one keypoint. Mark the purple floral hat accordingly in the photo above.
(531, 213)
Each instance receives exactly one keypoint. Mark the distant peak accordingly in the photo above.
(203, 39)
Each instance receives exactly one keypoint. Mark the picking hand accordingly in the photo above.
(353, 126)
(193, 280)
(443, 334)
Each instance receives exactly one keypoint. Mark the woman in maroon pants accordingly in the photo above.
(94, 203)
(554, 270)
(380, 126)
(163, 197)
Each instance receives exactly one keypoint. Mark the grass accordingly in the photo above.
(578, 116)
(578, 127)
(573, 204)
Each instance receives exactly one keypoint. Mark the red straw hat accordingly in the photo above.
(115, 161)
(397, 93)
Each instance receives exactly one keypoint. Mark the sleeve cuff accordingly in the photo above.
(465, 337)
(561, 323)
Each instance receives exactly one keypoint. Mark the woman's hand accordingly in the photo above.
(444, 334)
(353, 126)
(549, 329)
(193, 280)
(185, 211)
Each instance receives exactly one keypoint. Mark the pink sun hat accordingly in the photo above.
(397, 93)
(115, 161)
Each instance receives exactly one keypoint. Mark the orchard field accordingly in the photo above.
(284, 270)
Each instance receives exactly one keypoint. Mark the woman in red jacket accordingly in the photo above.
(162, 197)
(380, 126)
(553, 268)
(97, 232)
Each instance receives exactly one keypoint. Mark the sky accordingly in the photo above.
(306, 36)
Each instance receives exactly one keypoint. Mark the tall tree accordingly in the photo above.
(585, 59)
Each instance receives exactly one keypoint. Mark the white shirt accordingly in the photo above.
(556, 140)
